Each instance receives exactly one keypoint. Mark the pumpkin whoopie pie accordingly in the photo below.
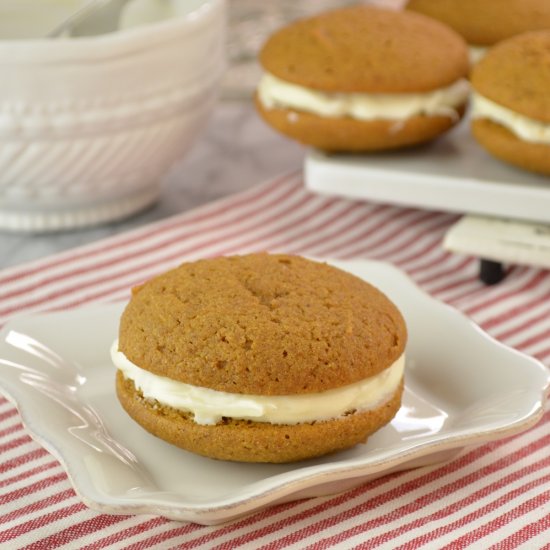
(511, 101)
(483, 23)
(363, 79)
(260, 358)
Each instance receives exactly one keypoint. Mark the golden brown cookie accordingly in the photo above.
(246, 441)
(309, 325)
(379, 60)
(504, 145)
(260, 325)
(511, 106)
(516, 74)
(348, 134)
(486, 22)
(366, 49)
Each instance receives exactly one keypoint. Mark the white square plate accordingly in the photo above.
(462, 388)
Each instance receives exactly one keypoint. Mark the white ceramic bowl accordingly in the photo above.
(88, 126)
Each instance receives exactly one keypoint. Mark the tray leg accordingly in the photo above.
(491, 272)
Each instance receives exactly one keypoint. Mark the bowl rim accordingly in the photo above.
(109, 45)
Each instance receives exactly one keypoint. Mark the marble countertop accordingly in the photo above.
(235, 151)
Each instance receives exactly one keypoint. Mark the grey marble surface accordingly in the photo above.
(235, 152)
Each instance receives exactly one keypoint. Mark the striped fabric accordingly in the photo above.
(492, 496)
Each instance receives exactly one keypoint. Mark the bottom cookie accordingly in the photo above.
(504, 145)
(351, 135)
(247, 441)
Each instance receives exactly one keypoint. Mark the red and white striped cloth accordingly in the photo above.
(492, 496)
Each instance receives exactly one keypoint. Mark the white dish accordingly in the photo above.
(452, 173)
(91, 125)
(462, 387)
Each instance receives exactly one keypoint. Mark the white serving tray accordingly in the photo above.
(452, 173)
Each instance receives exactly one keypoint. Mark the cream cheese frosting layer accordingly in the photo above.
(476, 53)
(274, 92)
(526, 128)
(209, 406)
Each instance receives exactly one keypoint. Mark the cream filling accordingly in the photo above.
(476, 53)
(209, 406)
(274, 92)
(524, 127)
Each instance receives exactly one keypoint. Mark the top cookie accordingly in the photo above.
(261, 324)
(516, 74)
(367, 49)
(486, 22)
